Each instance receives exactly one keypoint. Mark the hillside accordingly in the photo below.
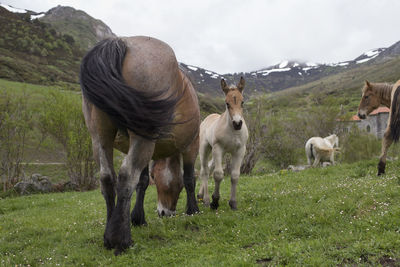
(337, 216)
(33, 51)
(46, 48)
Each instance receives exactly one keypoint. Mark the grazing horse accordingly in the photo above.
(167, 175)
(374, 95)
(133, 86)
(220, 134)
(321, 149)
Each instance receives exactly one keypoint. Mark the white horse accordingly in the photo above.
(321, 149)
(220, 134)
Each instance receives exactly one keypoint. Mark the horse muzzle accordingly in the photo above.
(163, 211)
(237, 125)
(361, 116)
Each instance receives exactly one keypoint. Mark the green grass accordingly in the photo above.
(340, 215)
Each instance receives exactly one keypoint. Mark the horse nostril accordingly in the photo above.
(162, 213)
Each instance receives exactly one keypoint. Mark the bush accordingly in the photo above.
(358, 145)
(62, 118)
(15, 123)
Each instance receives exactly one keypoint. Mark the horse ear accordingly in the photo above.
(224, 86)
(367, 83)
(241, 83)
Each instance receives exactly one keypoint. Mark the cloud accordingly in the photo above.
(234, 36)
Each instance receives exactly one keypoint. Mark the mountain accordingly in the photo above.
(47, 47)
(86, 30)
(286, 74)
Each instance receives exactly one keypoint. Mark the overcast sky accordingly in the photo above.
(246, 35)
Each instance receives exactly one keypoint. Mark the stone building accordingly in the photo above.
(375, 123)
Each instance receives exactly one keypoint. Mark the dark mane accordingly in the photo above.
(102, 84)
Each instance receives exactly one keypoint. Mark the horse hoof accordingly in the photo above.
(107, 244)
(233, 205)
(138, 221)
(199, 197)
(214, 204)
(192, 210)
(381, 168)
(121, 249)
(138, 218)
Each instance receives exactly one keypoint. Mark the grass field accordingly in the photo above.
(340, 215)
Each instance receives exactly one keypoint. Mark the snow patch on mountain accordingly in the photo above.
(13, 9)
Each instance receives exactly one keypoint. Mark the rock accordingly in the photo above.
(297, 168)
(37, 184)
(70, 186)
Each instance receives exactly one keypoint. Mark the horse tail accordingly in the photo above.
(395, 116)
(311, 150)
(146, 114)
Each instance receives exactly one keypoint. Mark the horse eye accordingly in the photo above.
(366, 97)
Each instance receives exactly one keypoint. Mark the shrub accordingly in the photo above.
(15, 123)
(358, 145)
(62, 118)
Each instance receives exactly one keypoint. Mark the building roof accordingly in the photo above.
(374, 112)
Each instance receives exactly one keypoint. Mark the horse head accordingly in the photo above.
(234, 102)
(167, 176)
(369, 101)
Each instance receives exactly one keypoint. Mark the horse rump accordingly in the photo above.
(395, 116)
(148, 114)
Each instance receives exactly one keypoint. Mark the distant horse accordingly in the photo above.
(321, 149)
(374, 95)
(220, 134)
(134, 86)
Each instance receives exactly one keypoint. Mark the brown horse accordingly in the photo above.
(134, 86)
(374, 95)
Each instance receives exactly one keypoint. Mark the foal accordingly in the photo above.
(220, 134)
(374, 95)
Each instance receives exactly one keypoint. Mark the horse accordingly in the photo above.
(374, 95)
(220, 134)
(321, 149)
(133, 86)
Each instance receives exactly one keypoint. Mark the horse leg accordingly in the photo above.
(137, 215)
(317, 160)
(237, 159)
(189, 181)
(386, 142)
(102, 132)
(118, 230)
(204, 173)
(217, 154)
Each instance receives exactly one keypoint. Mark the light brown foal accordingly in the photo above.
(220, 134)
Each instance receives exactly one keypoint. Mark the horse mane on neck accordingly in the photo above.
(384, 90)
